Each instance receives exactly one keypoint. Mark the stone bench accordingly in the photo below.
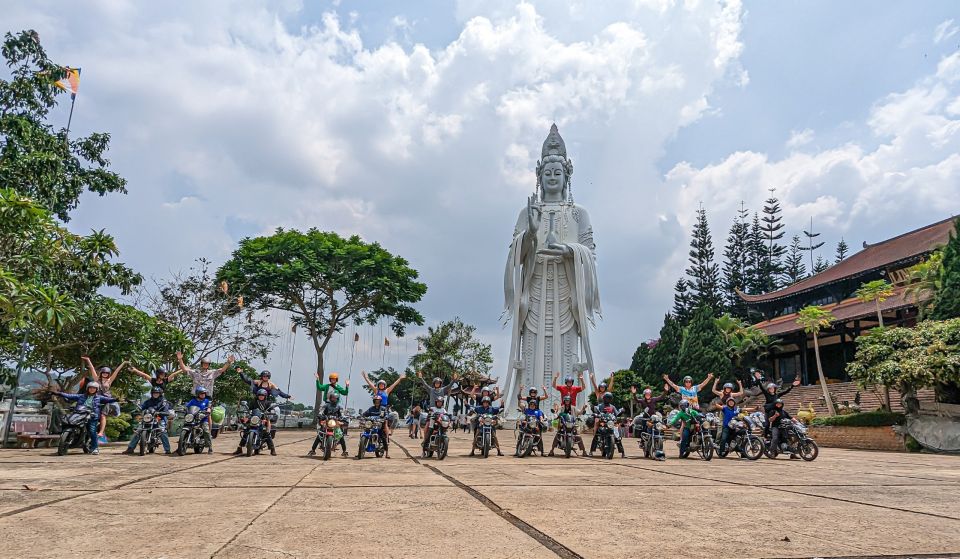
(32, 440)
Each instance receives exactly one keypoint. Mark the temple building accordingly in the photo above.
(834, 289)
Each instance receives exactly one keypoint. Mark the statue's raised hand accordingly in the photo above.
(533, 215)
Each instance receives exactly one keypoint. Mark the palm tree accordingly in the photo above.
(877, 291)
(813, 319)
(926, 277)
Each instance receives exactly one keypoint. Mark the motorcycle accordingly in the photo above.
(438, 442)
(372, 437)
(530, 435)
(742, 439)
(794, 440)
(701, 441)
(150, 428)
(606, 423)
(253, 425)
(191, 435)
(567, 431)
(75, 431)
(650, 441)
(486, 430)
(328, 428)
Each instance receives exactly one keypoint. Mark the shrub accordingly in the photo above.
(866, 419)
(119, 428)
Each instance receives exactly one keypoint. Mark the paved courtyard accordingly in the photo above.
(847, 503)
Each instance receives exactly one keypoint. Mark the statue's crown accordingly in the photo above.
(554, 145)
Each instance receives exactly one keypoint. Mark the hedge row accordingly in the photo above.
(864, 419)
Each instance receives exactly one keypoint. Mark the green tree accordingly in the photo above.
(876, 292)
(735, 264)
(622, 381)
(641, 365)
(37, 160)
(703, 272)
(813, 319)
(842, 250)
(704, 350)
(759, 278)
(820, 266)
(452, 349)
(926, 279)
(325, 282)
(772, 230)
(229, 387)
(793, 268)
(811, 245)
(404, 395)
(665, 356)
(947, 300)
(682, 300)
(745, 345)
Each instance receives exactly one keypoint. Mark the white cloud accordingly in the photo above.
(944, 31)
(799, 138)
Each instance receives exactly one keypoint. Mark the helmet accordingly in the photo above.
(92, 384)
(381, 382)
(684, 404)
(533, 402)
(200, 390)
(334, 377)
(727, 385)
(772, 385)
(732, 399)
(439, 402)
(161, 371)
(205, 360)
(262, 392)
(607, 397)
(603, 386)
(156, 389)
(265, 373)
(779, 401)
(437, 380)
(485, 390)
(377, 398)
(568, 380)
(647, 392)
(688, 378)
(486, 400)
(532, 391)
(566, 399)
(333, 397)
(104, 370)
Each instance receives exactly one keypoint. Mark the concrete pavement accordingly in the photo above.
(847, 503)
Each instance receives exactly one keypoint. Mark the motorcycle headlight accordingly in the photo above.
(255, 420)
(488, 421)
(445, 423)
(332, 423)
(368, 424)
(147, 417)
(706, 424)
(188, 418)
(568, 424)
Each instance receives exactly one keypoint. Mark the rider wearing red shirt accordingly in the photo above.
(568, 388)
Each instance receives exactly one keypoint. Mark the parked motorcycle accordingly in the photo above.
(567, 431)
(606, 424)
(438, 442)
(701, 441)
(372, 438)
(486, 430)
(191, 434)
(75, 431)
(650, 440)
(330, 430)
(742, 439)
(529, 436)
(794, 440)
(150, 428)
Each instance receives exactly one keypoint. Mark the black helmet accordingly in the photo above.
(568, 379)
(607, 397)
(161, 371)
(566, 399)
(602, 386)
(486, 400)
(157, 389)
(104, 370)
(684, 404)
(262, 392)
(779, 401)
(265, 373)
(333, 397)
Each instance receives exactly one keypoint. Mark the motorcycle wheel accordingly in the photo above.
(250, 445)
(363, 447)
(197, 448)
(327, 446)
(64, 444)
(707, 452)
(647, 447)
(809, 450)
(485, 449)
(567, 445)
(442, 448)
(770, 452)
(608, 449)
(753, 448)
(143, 445)
(526, 447)
(182, 444)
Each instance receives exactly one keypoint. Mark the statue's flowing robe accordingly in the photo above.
(551, 300)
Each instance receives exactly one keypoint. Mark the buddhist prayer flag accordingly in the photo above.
(71, 81)
(386, 342)
(356, 338)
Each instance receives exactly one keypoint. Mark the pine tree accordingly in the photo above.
(640, 365)
(820, 265)
(758, 277)
(793, 268)
(703, 349)
(703, 272)
(736, 264)
(682, 300)
(664, 357)
(842, 250)
(946, 302)
(772, 232)
(811, 246)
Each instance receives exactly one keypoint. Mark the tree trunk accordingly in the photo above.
(318, 399)
(823, 380)
(886, 389)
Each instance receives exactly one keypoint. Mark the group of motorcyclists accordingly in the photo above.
(720, 427)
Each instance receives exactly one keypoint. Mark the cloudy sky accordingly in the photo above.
(418, 125)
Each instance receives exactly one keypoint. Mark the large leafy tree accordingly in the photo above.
(230, 388)
(947, 300)
(325, 282)
(452, 349)
(703, 272)
(211, 316)
(704, 349)
(745, 345)
(926, 279)
(36, 159)
(640, 364)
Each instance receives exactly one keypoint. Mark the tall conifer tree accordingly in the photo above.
(703, 272)
(736, 264)
(946, 302)
(664, 357)
(811, 246)
(842, 250)
(682, 300)
(772, 227)
(793, 267)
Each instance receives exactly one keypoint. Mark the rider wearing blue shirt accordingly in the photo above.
(485, 408)
(162, 408)
(730, 411)
(379, 410)
(202, 401)
(91, 398)
(532, 413)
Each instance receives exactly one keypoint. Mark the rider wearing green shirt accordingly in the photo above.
(687, 415)
(332, 386)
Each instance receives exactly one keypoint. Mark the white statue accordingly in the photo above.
(550, 283)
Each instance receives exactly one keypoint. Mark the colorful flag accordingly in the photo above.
(386, 342)
(356, 338)
(71, 81)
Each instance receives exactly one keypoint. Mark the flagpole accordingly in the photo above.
(350, 369)
(73, 100)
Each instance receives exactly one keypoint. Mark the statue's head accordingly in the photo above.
(554, 168)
